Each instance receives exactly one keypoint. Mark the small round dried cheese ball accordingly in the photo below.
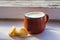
(12, 32)
(22, 32)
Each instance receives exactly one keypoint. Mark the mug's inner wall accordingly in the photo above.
(35, 14)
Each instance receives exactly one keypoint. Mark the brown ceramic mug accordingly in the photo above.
(35, 22)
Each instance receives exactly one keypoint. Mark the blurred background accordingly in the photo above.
(15, 9)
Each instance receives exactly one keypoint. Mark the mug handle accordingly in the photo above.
(46, 18)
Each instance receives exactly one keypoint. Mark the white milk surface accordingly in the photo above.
(35, 14)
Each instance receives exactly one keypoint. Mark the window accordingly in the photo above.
(16, 8)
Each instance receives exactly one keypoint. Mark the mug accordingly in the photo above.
(35, 22)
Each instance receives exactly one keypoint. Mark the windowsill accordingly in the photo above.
(52, 30)
(29, 4)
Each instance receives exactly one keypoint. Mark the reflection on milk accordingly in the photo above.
(35, 14)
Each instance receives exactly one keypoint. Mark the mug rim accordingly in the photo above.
(26, 14)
